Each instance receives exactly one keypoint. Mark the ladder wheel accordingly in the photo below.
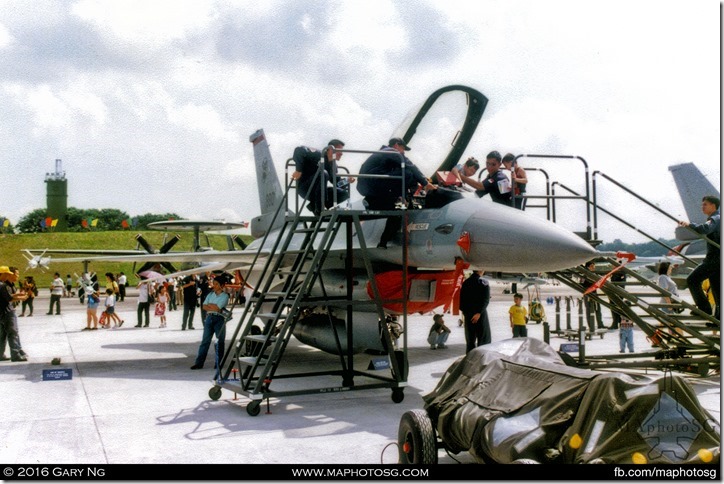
(398, 395)
(215, 393)
(253, 408)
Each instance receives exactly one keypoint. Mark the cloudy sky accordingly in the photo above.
(150, 104)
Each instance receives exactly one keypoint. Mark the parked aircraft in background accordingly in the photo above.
(451, 228)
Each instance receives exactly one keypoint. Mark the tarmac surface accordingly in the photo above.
(132, 398)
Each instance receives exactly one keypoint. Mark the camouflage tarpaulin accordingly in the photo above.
(516, 399)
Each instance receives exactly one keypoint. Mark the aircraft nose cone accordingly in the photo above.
(509, 240)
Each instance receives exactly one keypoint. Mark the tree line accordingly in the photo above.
(83, 220)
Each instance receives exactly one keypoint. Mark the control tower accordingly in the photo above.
(57, 196)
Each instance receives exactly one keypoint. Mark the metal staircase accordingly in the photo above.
(682, 336)
(284, 291)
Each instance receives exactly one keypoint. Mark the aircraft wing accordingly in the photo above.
(219, 266)
(239, 257)
(97, 252)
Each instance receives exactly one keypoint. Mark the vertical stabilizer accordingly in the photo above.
(270, 190)
(692, 186)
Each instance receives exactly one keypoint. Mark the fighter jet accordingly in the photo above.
(451, 231)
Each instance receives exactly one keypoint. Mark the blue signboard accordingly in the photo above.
(58, 374)
(569, 348)
(379, 364)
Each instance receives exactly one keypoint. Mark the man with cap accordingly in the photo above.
(215, 322)
(383, 194)
(306, 165)
(8, 319)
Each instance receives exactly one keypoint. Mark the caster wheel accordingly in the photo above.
(215, 393)
(253, 408)
(398, 395)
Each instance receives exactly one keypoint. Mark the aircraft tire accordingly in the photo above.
(215, 393)
(253, 408)
(416, 438)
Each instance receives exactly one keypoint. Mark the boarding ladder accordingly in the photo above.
(682, 336)
(270, 314)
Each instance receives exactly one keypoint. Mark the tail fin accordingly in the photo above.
(270, 190)
(692, 186)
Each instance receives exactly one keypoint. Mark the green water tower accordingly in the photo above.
(57, 197)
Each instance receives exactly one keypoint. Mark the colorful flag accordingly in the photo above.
(54, 222)
(42, 223)
(94, 222)
(84, 223)
(6, 222)
(134, 221)
(124, 224)
(48, 221)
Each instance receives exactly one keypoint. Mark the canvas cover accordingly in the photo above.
(516, 399)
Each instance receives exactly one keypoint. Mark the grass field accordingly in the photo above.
(12, 245)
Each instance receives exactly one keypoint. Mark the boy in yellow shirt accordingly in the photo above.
(518, 317)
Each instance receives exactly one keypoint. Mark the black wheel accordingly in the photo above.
(416, 438)
(398, 395)
(253, 408)
(215, 393)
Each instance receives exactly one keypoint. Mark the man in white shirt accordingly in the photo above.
(57, 289)
(122, 282)
(144, 305)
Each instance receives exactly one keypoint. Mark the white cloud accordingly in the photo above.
(146, 23)
(5, 37)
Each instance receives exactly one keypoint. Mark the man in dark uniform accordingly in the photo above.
(474, 299)
(710, 266)
(306, 164)
(190, 289)
(383, 194)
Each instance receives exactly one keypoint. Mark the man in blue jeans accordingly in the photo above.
(214, 323)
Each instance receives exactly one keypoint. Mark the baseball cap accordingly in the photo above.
(398, 141)
(5, 270)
